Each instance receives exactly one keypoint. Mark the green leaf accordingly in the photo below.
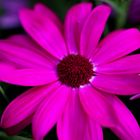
(121, 9)
(3, 136)
(1, 11)
(60, 7)
(3, 93)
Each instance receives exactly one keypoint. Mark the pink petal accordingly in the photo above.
(116, 45)
(108, 108)
(27, 77)
(44, 31)
(75, 124)
(28, 43)
(93, 30)
(13, 130)
(118, 84)
(127, 65)
(25, 41)
(43, 10)
(17, 114)
(94, 131)
(97, 106)
(74, 22)
(127, 127)
(21, 55)
(4, 67)
(49, 112)
(137, 96)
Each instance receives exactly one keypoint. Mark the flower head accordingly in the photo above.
(76, 76)
(134, 11)
(9, 12)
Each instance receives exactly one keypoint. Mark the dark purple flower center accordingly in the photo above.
(75, 70)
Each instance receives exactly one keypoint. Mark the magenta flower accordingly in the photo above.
(9, 18)
(134, 10)
(76, 76)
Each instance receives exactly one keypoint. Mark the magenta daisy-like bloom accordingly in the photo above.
(9, 17)
(76, 77)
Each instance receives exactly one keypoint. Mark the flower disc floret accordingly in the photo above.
(75, 70)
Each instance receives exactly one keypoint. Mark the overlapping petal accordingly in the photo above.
(20, 55)
(26, 42)
(118, 84)
(127, 127)
(75, 124)
(44, 31)
(43, 10)
(49, 111)
(98, 106)
(116, 45)
(27, 77)
(127, 65)
(112, 110)
(74, 22)
(93, 29)
(19, 112)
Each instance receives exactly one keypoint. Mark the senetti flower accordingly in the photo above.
(9, 17)
(134, 10)
(75, 75)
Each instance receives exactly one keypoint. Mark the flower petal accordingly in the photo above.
(127, 128)
(116, 45)
(44, 31)
(94, 131)
(21, 55)
(13, 130)
(98, 106)
(118, 84)
(27, 77)
(4, 67)
(75, 124)
(135, 97)
(93, 30)
(74, 22)
(43, 10)
(17, 114)
(127, 65)
(108, 108)
(28, 43)
(49, 112)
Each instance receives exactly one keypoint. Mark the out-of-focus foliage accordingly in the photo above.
(3, 136)
(120, 9)
(3, 93)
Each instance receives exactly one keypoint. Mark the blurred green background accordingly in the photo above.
(123, 16)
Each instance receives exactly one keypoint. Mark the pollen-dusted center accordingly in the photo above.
(75, 70)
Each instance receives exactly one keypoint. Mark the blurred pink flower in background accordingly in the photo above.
(76, 76)
(10, 9)
(137, 96)
(134, 11)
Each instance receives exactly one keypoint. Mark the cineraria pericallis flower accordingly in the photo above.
(75, 75)
(133, 11)
(9, 14)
